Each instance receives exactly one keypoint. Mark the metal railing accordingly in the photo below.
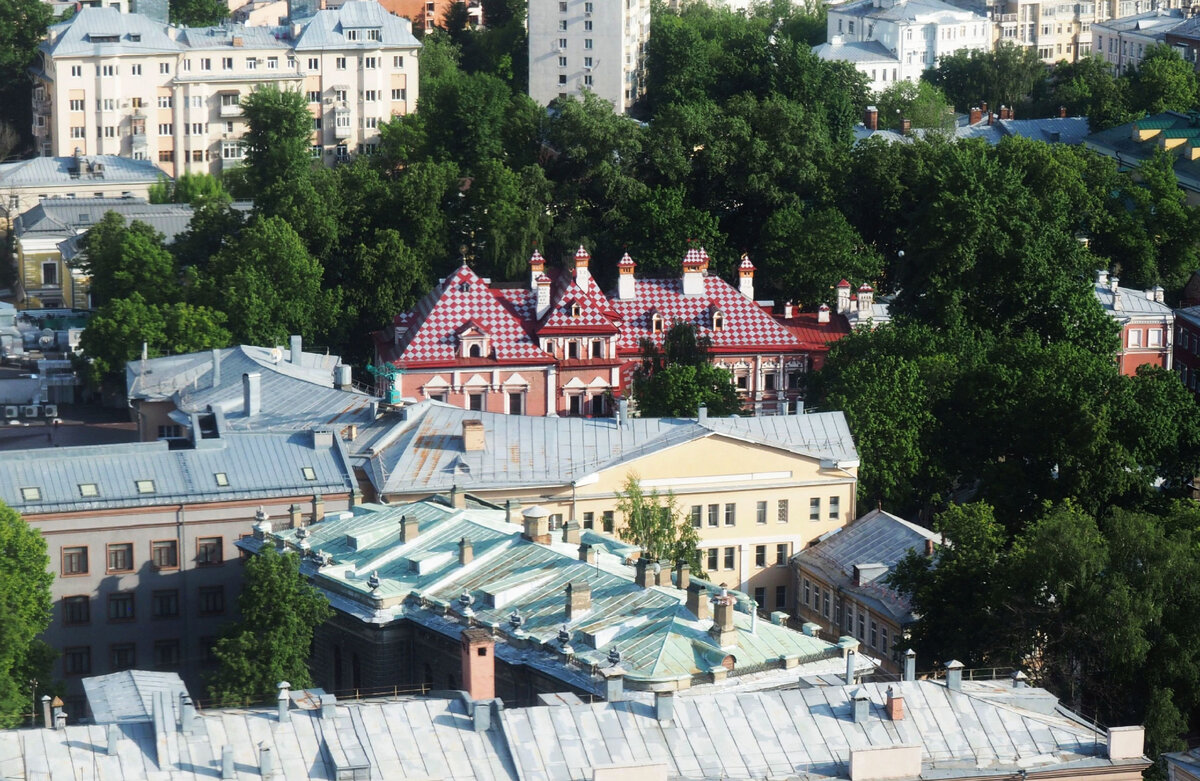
(343, 695)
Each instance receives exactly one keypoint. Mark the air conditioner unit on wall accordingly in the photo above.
(50, 410)
(30, 410)
(12, 411)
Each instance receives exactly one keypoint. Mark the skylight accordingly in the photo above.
(145, 486)
(309, 473)
(88, 490)
(221, 478)
(33, 494)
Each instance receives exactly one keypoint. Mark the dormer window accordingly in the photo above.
(718, 321)
(656, 323)
(473, 341)
(475, 350)
(575, 310)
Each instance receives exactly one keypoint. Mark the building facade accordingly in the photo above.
(588, 45)
(894, 40)
(1122, 42)
(26, 182)
(141, 537)
(559, 346)
(122, 84)
(1186, 352)
(756, 489)
(1147, 324)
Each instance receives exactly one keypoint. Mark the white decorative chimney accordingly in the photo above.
(543, 295)
(537, 267)
(843, 297)
(823, 313)
(866, 297)
(582, 274)
(746, 277)
(693, 272)
(626, 282)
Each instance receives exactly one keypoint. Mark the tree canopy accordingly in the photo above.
(653, 522)
(675, 380)
(25, 580)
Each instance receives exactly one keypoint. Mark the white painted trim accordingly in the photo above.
(747, 477)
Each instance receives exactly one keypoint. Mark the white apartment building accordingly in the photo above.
(122, 84)
(893, 40)
(1123, 42)
(595, 45)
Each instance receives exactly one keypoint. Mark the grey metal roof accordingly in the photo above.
(326, 30)
(127, 696)
(1134, 303)
(293, 396)
(222, 37)
(256, 465)
(856, 51)
(658, 638)
(907, 10)
(1052, 130)
(807, 732)
(48, 171)
(136, 34)
(876, 538)
(66, 216)
(424, 450)
(1159, 21)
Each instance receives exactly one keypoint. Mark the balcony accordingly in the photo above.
(230, 110)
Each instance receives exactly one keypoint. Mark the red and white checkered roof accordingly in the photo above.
(746, 265)
(591, 317)
(695, 257)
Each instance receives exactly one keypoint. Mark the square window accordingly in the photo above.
(121, 607)
(212, 600)
(309, 473)
(164, 554)
(208, 551)
(221, 478)
(122, 656)
(164, 603)
(31, 494)
(75, 561)
(144, 486)
(87, 490)
(166, 654)
(76, 610)
(120, 557)
(77, 660)
(475, 401)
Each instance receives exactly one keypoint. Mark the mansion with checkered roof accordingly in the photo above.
(558, 345)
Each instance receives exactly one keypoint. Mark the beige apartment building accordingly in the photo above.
(757, 489)
(109, 83)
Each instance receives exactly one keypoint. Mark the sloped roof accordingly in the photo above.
(591, 318)
(256, 465)
(424, 452)
(221, 37)
(48, 171)
(125, 697)
(1134, 303)
(876, 538)
(746, 326)
(327, 29)
(136, 34)
(66, 216)
(658, 638)
(1118, 142)
(856, 51)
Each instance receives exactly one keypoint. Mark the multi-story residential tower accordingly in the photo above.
(123, 84)
(577, 45)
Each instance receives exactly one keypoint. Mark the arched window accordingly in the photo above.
(656, 323)
(718, 321)
(475, 351)
(575, 310)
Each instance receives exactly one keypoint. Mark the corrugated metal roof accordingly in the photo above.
(1134, 303)
(425, 451)
(40, 171)
(135, 33)
(327, 28)
(126, 697)
(221, 37)
(256, 465)
(658, 638)
(66, 216)
(808, 732)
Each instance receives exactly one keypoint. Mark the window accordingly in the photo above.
(33, 494)
(781, 554)
(597, 348)
(314, 96)
(145, 486)
(212, 600)
(370, 63)
(587, 43)
(164, 603)
(714, 515)
(862, 619)
(760, 596)
(730, 514)
(397, 61)
(120, 606)
(205, 64)
(562, 44)
(166, 654)
(166, 155)
(608, 521)
(164, 554)
(814, 509)
(712, 559)
(807, 590)
(371, 95)
(315, 151)
(780, 597)
(769, 382)
(165, 101)
(760, 555)
(199, 128)
(760, 512)
(76, 70)
(516, 403)
(352, 35)
(340, 96)
(475, 401)
(77, 660)
(121, 656)
(272, 63)
(697, 516)
(587, 26)
(399, 94)
(209, 551)
(1135, 338)
(874, 635)
(108, 70)
(77, 104)
(340, 63)
(308, 472)
(226, 63)
(78, 132)
(825, 603)
(562, 79)
(729, 557)
(75, 560)
(1154, 338)
(165, 129)
(76, 610)
(587, 62)
(849, 617)
(589, 520)
(232, 150)
(782, 511)
(164, 67)
(562, 25)
(562, 62)
(883, 639)
(835, 508)
(120, 557)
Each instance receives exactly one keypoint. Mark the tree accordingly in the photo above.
(806, 250)
(188, 188)
(1085, 87)
(124, 260)
(197, 13)
(278, 159)
(923, 104)
(1162, 81)
(271, 640)
(653, 523)
(23, 24)
(1002, 77)
(676, 380)
(25, 580)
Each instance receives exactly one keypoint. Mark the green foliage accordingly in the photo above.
(919, 102)
(271, 640)
(22, 25)
(25, 582)
(197, 13)
(674, 381)
(999, 77)
(122, 260)
(1162, 81)
(188, 188)
(654, 523)
(1087, 88)
(276, 141)
(805, 250)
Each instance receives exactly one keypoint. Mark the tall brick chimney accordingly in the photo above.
(871, 118)
(697, 600)
(472, 434)
(895, 703)
(537, 267)
(579, 599)
(479, 664)
(723, 630)
(626, 282)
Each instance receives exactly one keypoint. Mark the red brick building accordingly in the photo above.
(1147, 323)
(560, 345)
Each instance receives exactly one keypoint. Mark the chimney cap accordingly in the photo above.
(536, 511)
(954, 664)
(582, 254)
(746, 265)
(536, 257)
(626, 261)
(843, 283)
(910, 653)
(859, 693)
(542, 279)
(865, 288)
